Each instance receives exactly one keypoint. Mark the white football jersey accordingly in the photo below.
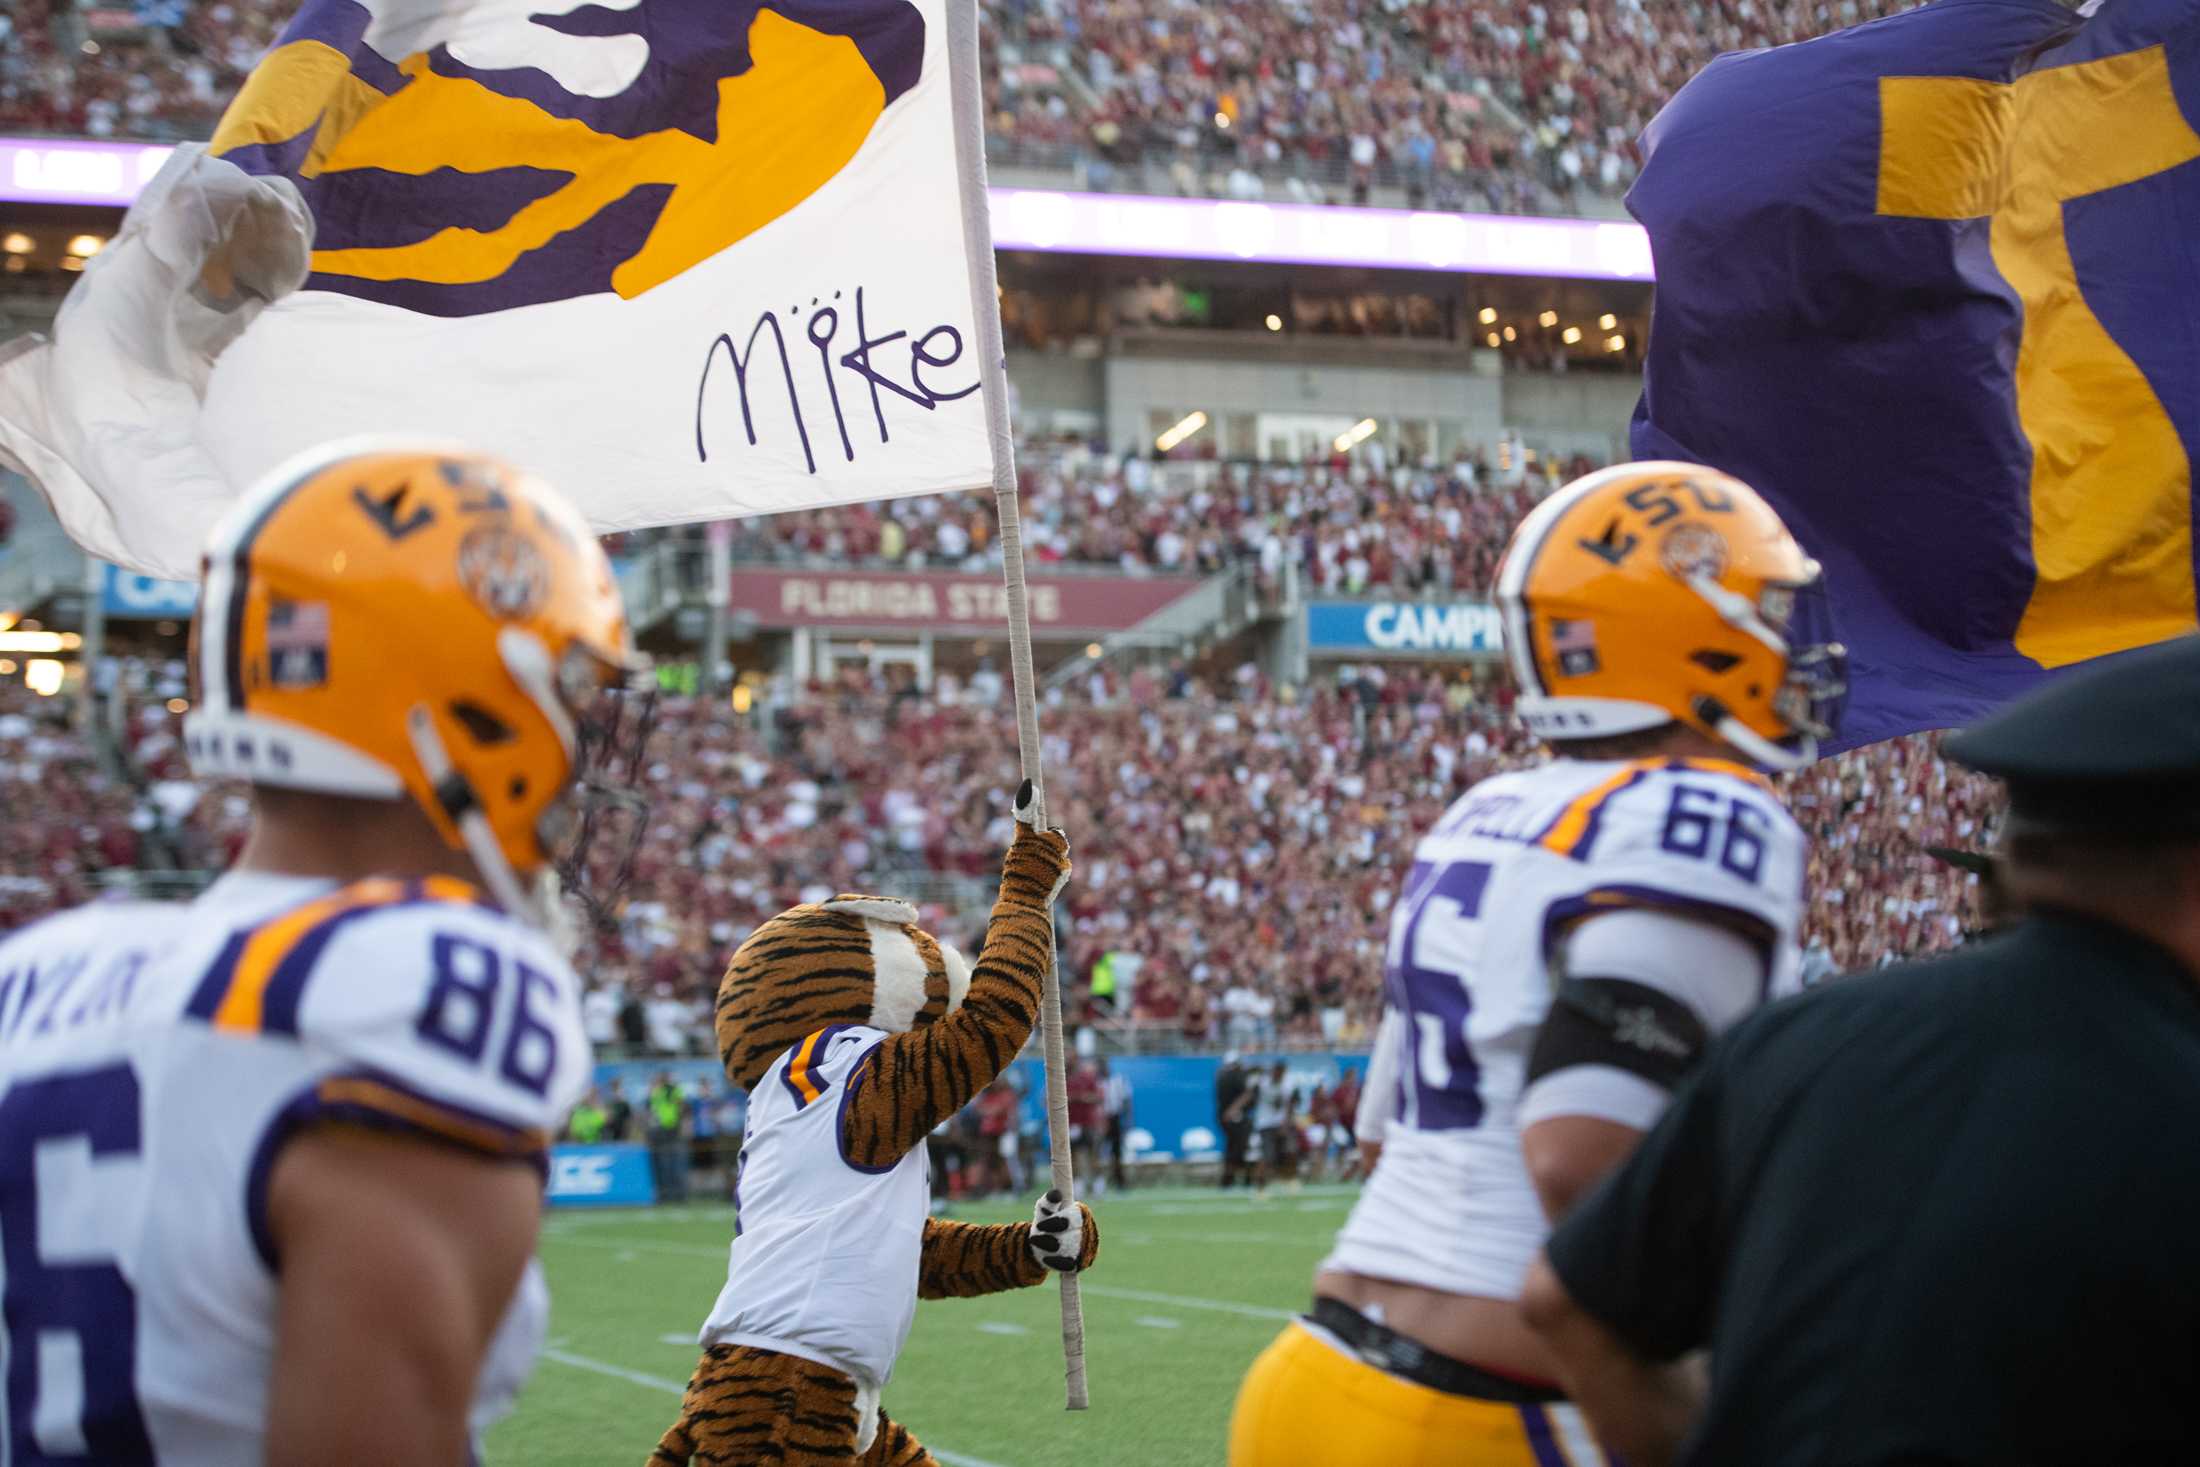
(154, 1059)
(1494, 888)
(825, 1252)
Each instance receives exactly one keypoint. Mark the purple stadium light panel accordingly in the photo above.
(1318, 234)
(69, 171)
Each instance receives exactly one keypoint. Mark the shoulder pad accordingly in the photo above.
(1689, 836)
(1653, 801)
(429, 1010)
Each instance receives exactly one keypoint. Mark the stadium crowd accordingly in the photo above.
(1348, 524)
(1512, 105)
(1505, 105)
(1237, 843)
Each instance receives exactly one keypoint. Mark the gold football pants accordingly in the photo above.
(1307, 1404)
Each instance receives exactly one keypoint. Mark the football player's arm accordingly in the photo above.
(398, 1259)
(1643, 991)
(1624, 1289)
(1642, 1408)
(1379, 1093)
(911, 1082)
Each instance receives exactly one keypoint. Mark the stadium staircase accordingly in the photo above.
(1226, 605)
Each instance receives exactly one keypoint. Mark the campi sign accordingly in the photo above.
(1464, 629)
(131, 596)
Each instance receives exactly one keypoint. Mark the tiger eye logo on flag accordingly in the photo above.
(468, 156)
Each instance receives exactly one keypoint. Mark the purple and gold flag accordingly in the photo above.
(1928, 284)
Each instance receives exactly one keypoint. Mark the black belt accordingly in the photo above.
(1409, 1359)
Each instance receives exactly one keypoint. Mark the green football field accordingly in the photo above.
(1190, 1286)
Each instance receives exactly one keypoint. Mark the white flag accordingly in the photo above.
(105, 417)
(686, 258)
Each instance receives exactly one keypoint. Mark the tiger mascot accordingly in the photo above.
(855, 1032)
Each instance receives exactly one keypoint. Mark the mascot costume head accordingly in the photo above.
(856, 1032)
(852, 960)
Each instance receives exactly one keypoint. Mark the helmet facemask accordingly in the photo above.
(1794, 620)
(602, 712)
(595, 828)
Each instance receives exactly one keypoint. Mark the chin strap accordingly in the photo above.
(456, 798)
(1761, 751)
(1737, 612)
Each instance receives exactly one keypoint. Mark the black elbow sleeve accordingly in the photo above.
(1612, 1021)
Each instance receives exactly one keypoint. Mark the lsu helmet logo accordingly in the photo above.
(467, 156)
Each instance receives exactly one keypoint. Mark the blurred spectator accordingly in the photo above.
(714, 1127)
(1115, 1106)
(586, 1125)
(1236, 1088)
(666, 1117)
(1086, 1118)
(1001, 1133)
(618, 1122)
(600, 1007)
(1275, 1138)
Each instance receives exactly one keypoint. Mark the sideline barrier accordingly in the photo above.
(1170, 1094)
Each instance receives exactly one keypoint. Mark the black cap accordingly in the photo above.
(2112, 750)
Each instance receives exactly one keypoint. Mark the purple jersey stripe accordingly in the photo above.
(1540, 1440)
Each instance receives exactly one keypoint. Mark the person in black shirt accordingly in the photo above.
(1233, 1113)
(1945, 1215)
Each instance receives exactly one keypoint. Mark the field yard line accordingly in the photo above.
(1149, 1195)
(1219, 1306)
(1105, 1291)
(617, 1372)
(1255, 1209)
(679, 1388)
(613, 1217)
(1210, 1237)
(629, 1245)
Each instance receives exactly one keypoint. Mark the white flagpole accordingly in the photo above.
(985, 309)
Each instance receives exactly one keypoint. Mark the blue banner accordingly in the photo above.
(1404, 628)
(1925, 284)
(601, 1176)
(130, 596)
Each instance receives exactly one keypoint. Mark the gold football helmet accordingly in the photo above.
(1653, 592)
(388, 621)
